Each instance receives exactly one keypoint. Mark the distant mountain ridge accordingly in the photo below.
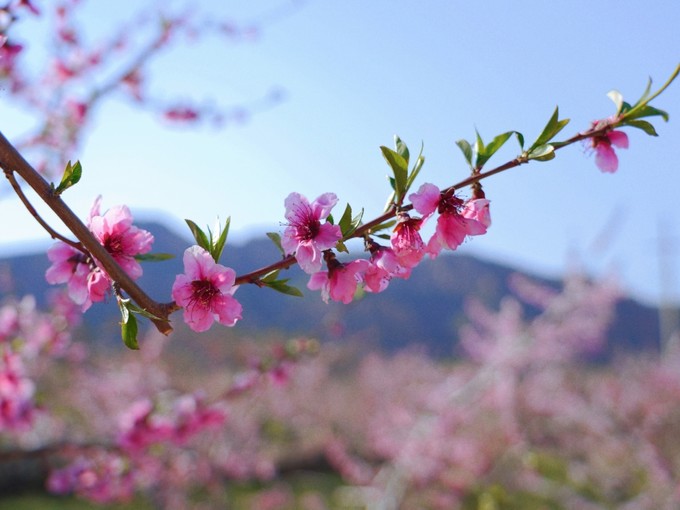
(427, 309)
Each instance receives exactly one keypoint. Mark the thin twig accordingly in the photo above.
(53, 233)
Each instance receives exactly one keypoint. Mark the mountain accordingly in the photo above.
(427, 309)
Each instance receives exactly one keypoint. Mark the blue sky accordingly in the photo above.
(355, 73)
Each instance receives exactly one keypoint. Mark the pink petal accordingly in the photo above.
(228, 310)
(426, 200)
(605, 158)
(618, 138)
(323, 204)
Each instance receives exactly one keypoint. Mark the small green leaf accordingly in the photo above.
(154, 257)
(283, 287)
(270, 277)
(346, 221)
(543, 153)
(72, 174)
(420, 161)
(218, 245)
(383, 226)
(135, 309)
(402, 149)
(550, 130)
(399, 168)
(647, 111)
(341, 247)
(489, 150)
(276, 239)
(199, 236)
(128, 331)
(520, 139)
(466, 148)
(644, 125)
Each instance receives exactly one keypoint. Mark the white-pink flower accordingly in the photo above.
(340, 282)
(205, 291)
(306, 236)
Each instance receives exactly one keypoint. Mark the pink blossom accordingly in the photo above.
(182, 114)
(16, 393)
(340, 281)
(384, 265)
(140, 428)
(102, 478)
(192, 415)
(457, 219)
(306, 236)
(70, 266)
(205, 291)
(406, 241)
(123, 241)
(605, 157)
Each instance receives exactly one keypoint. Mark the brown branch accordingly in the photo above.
(24, 199)
(366, 228)
(12, 161)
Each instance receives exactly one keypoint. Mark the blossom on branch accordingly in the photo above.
(406, 240)
(340, 282)
(605, 157)
(457, 218)
(306, 236)
(384, 265)
(115, 232)
(205, 291)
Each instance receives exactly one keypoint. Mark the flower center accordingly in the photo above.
(203, 292)
(114, 244)
(450, 205)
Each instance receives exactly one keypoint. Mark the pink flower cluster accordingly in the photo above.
(142, 426)
(86, 281)
(311, 240)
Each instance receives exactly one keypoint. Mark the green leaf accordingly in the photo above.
(543, 153)
(144, 313)
(402, 149)
(420, 161)
(341, 247)
(72, 174)
(488, 151)
(399, 168)
(276, 239)
(644, 125)
(218, 245)
(346, 221)
(466, 148)
(154, 257)
(128, 331)
(520, 139)
(383, 226)
(283, 287)
(647, 111)
(199, 236)
(550, 130)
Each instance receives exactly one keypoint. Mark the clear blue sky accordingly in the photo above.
(356, 73)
